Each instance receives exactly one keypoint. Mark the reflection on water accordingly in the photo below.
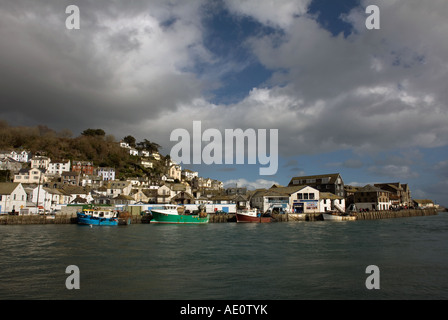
(295, 260)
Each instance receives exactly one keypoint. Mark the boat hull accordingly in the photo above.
(332, 217)
(88, 220)
(246, 218)
(160, 217)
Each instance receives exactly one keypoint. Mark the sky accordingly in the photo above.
(370, 104)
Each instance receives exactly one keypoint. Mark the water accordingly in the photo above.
(278, 261)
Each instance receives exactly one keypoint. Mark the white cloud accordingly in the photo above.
(393, 171)
(130, 69)
(279, 13)
(250, 185)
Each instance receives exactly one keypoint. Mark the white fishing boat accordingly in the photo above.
(337, 217)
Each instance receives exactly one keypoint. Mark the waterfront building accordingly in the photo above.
(372, 198)
(423, 203)
(331, 202)
(400, 194)
(296, 199)
(49, 199)
(332, 183)
(12, 197)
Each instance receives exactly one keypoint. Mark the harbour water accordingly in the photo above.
(229, 261)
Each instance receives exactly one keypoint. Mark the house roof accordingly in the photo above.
(283, 191)
(123, 197)
(329, 195)
(423, 201)
(333, 177)
(7, 188)
(370, 188)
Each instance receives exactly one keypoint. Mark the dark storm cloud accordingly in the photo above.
(119, 68)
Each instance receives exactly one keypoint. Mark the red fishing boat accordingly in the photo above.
(251, 216)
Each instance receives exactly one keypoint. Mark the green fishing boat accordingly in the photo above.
(174, 214)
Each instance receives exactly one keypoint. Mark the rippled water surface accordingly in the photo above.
(287, 261)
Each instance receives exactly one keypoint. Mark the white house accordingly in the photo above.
(296, 199)
(156, 155)
(306, 200)
(33, 175)
(146, 163)
(40, 162)
(107, 173)
(48, 198)
(164, 194)
(117, 187)
(11, 164)
(331, 202)
(125, 145)
(189, 174)
(58, 167)
(76, 194)
(12, 197)
(144, 153)
(20, 156)
(175, 172)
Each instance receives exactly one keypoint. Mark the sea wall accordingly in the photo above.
(65, 218)
(70, 218)
(372, 215)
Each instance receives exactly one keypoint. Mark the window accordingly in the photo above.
(299, 196)
(305, 196)
(311, 196)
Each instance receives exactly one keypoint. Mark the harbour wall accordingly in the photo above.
(372, 215)
(70, 217)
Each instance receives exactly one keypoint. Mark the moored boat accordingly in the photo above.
(337, 217)
(98, 217)
(173, 214)
(251, 215)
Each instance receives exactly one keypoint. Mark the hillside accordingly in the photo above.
(92, 145)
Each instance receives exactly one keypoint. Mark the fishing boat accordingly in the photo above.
(337, 217)
(251, 215)
(98, 217)
(173, 214)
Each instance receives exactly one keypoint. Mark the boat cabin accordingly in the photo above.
(100, 213)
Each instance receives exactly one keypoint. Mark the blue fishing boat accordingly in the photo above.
(98, 217)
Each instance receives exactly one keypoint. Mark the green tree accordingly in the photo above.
(93, 132)
(129, 140)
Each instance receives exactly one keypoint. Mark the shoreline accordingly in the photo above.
(70, 218)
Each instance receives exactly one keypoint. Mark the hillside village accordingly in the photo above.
(35, 183)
